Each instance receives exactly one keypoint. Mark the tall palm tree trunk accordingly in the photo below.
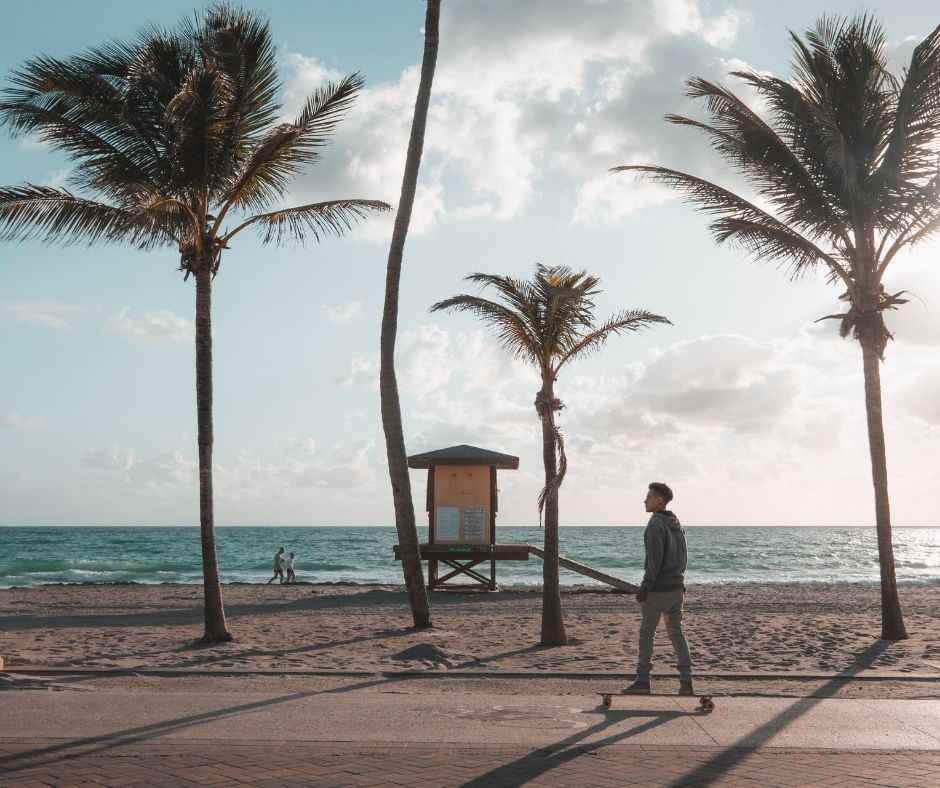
(892, 622)
(216, 629)
(553, 623)
(388, 382)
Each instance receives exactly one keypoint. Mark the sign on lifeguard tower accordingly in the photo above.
(461, 505)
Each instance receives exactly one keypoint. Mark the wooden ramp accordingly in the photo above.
(574, 566)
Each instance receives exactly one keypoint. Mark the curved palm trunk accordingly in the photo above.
(892, 622)
(388, 383)
(216, 630)
(553, 623)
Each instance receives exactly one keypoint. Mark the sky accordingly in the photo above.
(750, 410)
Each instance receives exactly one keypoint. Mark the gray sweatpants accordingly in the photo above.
(668, 605)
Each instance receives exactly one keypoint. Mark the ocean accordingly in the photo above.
(31, 556)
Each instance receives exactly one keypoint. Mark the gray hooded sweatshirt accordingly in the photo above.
(666, 553)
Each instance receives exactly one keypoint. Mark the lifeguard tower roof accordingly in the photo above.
(464, 455)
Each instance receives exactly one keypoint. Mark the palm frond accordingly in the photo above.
(79, 106)
(547, 320)
(237, 46)
(53, 215)
(283, 152)
(749, 143)
(628, 321)
(333, 217)
(838, 110)
(514, 330)
(777, 244)
(921, 227)
(739, 219)
(195, 141)
(519, 294)
(910, 158)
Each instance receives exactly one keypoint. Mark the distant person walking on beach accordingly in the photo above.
(291, 578)
(278, 569)
(662, 590)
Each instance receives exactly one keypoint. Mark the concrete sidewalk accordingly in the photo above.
(368, 732)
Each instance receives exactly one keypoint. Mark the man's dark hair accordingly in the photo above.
(662, 490)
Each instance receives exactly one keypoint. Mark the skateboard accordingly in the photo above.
(705, 702)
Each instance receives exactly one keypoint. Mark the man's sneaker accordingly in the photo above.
(637, 688)
(685, 688)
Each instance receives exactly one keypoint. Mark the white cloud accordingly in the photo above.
(341, 313)
(51, 314)
(15, 478)
(157, 327)
(31, 143)
(57, 178)
(248, 476)
(920, 397)
(109, 458)
(301, 446)
(19, 421)
(782, 420)
(428, 356)
(747, 431)
(524, 91)
(342, 467)
(918, 321)
(159, 475)
(165, 474)
(362, 372)
(307, 72)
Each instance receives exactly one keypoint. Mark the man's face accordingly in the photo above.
(654, 501)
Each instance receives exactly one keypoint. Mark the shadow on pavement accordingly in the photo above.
(724, 761)
(539, 762)
(10, 764)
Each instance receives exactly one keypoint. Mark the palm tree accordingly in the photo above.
(548, 322)
(844, 167)
(388, 384)
(169, 135)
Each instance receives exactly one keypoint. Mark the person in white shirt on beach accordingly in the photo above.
(291, 578)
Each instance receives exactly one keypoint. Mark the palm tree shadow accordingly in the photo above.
(726, 760)
(212, 655)
(505, 655)
(73, 748)
(540, 762)
(215, 656)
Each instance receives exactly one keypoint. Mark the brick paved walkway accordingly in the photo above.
(25, 763)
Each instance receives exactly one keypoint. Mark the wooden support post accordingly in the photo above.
(574, 566)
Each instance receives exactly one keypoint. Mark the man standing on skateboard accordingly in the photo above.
(662, 590)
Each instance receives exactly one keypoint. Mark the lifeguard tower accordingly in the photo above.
(461, 506)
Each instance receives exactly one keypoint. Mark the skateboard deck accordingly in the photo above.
(705, 702)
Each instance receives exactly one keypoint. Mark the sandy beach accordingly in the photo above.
(743, 630)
